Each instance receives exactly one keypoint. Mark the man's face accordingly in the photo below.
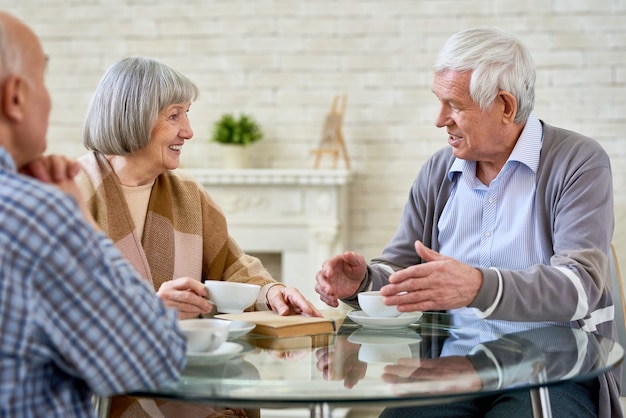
(473, 134)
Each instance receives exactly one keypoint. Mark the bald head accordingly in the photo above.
(24, 99)
(10, 51)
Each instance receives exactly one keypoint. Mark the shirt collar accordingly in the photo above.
(526, 151)
(6, 161)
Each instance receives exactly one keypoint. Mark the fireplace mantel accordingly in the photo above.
(300, 214)
(287, 177)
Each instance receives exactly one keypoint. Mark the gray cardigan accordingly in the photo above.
(575, 204)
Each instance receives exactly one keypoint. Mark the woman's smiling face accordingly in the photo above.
(168, 136)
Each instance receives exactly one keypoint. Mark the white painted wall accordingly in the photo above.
(283, 60)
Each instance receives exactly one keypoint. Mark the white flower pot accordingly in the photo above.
(235, 157)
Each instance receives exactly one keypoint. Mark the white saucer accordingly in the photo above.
(224, 352)
(367, 321)
(239, 328)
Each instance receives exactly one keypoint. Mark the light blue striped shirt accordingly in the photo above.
(493, 226)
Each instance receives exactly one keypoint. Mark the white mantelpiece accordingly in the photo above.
(300, 214)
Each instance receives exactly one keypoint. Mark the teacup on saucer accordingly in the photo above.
(204, 334)
(372, 304)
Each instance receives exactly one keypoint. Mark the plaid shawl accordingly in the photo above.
(185, 232)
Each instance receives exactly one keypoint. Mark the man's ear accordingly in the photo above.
(13, 98)
(509, 110)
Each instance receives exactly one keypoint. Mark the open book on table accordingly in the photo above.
(270, 323)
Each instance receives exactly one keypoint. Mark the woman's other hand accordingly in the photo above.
(288, 300)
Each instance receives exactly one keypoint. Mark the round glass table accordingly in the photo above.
(428, 361)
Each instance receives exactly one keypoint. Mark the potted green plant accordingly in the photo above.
(237, 134)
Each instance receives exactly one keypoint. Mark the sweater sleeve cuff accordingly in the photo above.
(262, 304)
(490, 292)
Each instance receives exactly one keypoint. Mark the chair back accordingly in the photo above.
(618, 287)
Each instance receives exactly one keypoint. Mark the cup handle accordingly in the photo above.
(215, 335)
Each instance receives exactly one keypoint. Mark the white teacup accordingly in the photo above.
(231, 297)
(204, 334)
(372, 304)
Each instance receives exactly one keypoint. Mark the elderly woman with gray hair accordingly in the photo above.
(166, 224)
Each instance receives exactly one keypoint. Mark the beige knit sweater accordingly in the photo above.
(185, 232)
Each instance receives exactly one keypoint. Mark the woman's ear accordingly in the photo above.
(509, 110)
(13, 98)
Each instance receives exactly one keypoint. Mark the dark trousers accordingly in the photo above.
(569, 400)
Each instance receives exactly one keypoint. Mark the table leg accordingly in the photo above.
(540, 397)
(321, 410)
(102, 406)
(540, 400)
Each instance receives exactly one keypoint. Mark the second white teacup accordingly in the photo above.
(231, 297)
(372, 304)
(204, 334)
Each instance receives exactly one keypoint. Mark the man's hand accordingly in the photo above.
(439, 284)
(52, 169)
(60, 171)
(340, 277)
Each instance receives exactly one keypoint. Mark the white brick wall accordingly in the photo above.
(282, 61)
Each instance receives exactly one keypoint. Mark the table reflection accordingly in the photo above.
(412, 366)
(430, 361)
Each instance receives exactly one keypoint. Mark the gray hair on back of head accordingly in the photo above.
(125, 106)
(498, 61)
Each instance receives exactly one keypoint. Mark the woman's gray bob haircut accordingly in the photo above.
(127, 102)
(498, 61)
